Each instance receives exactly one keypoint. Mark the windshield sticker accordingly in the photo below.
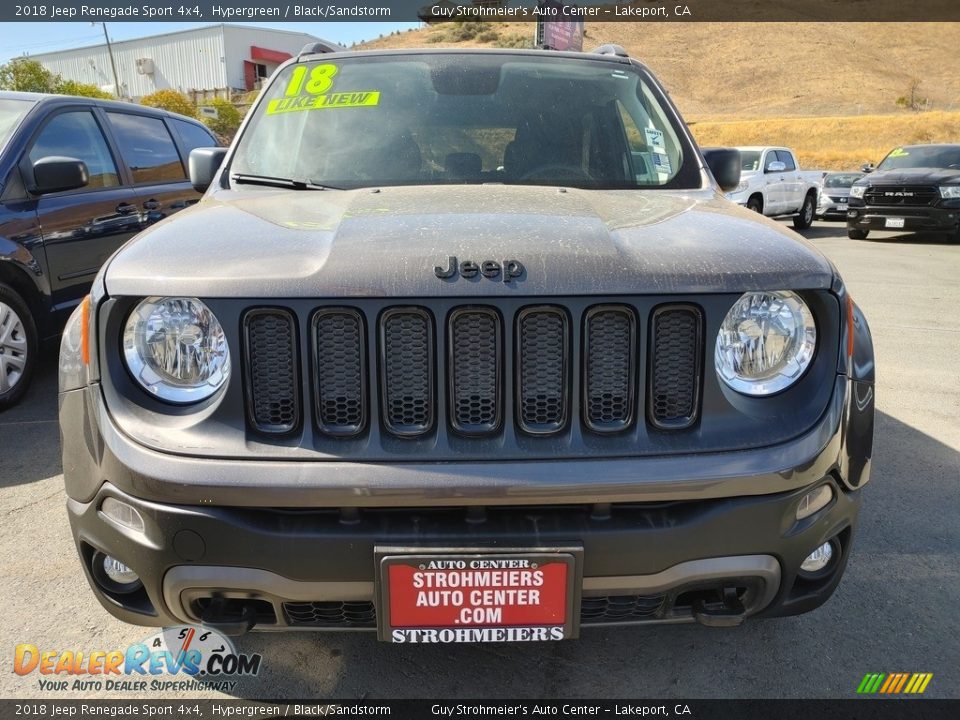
(661, 163)
(309, 90)
(655, 140)
(899, 152)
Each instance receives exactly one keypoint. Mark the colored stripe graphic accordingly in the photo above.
(894, 683)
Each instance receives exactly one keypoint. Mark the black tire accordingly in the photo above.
(756, 204)
(804, 218)
(18, 347)
(857, 233)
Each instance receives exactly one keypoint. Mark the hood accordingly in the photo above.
(387, 242)
(912, 176)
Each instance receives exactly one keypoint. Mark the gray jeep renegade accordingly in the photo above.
(464, 346)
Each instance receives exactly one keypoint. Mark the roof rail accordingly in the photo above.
(320, 48)
(610, 49)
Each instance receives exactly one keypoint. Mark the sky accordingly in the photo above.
(35, 38)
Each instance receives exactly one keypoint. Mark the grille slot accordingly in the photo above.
(543, 350)
(901, 195)
(272, 370)
(609, 367)
(340, 371)
(676, 352)
(355, 614)
(619, 608)
(406, 357)
(475, 350)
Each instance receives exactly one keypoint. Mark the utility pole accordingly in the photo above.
(113, 65)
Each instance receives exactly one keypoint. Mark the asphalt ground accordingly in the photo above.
(895, 611)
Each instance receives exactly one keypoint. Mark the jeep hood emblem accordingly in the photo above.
(509, 270)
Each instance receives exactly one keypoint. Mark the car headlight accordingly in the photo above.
(741, 187)
(175, 348)
(950, 192)
(857, 191)
(766, 342)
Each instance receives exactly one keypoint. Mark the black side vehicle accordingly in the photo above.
(916, 188)
(78, 178)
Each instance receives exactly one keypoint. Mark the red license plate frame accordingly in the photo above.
(505, 595)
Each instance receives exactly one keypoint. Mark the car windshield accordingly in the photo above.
(841, 180)
(441, 118)
(11, 113)
(750, 160)
(922, 156)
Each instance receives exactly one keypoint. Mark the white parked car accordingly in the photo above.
(772, 183)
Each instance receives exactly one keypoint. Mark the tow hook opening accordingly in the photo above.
(234, 616)
(727, 611)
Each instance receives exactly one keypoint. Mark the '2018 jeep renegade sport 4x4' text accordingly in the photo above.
(465, 346)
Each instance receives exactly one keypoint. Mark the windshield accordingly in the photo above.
(11, 113)
(750, 160)
(841, 180)
(441, 118)
(923, 156)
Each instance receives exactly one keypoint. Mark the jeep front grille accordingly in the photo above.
(675, 366)
(478, 371)
(475, 358)
(340, 371)
(406, 362)
(901, 195)
(273, 376)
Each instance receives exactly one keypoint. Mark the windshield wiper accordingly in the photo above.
(279, 182)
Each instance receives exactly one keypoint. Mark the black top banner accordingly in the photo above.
(216, 11)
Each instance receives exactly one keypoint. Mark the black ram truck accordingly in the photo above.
(916, 188)
(465, 346)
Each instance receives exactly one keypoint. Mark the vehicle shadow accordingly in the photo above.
(905, 557)
(29, 432)
(825, 230)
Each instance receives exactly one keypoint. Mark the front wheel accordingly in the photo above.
(857, 233)
(18, 347)
(804, 219)
(755, 204)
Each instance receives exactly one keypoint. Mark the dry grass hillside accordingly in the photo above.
(727, 70)
(829, 90)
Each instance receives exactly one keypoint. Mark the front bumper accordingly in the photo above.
(915, 219)
(832, 211)
(658, 535)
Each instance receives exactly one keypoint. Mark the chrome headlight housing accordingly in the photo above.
(857, 191)
(766, 342)
(176, 350)
(950, 192)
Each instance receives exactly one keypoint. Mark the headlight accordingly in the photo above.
(744, 184)
(857, 191)
(175, 348)
(950, 192)
(766, 342)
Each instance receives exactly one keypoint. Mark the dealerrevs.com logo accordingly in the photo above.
(174, 659)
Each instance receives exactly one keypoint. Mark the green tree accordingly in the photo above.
(170, 100)
(26, 75)
(227, 121)
(72, 87)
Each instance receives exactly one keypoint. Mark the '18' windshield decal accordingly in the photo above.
(310, 90)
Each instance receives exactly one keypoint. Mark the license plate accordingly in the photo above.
(470, 597)
(894, 223)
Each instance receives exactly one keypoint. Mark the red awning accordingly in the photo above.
(274, 56)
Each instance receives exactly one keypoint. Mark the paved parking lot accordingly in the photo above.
(895, 611)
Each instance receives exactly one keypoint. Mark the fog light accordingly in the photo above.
(118, 572)
(112, 575)
(818, 559)
(813, 501)
(122, 513)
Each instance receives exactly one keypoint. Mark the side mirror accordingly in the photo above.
(204, 163)
(724, 163)
(56, 173)
(867, 167)
(776, 166)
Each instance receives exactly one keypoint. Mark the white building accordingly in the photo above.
(202, 62)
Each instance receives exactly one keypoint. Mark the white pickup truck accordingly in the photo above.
(772, 183)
